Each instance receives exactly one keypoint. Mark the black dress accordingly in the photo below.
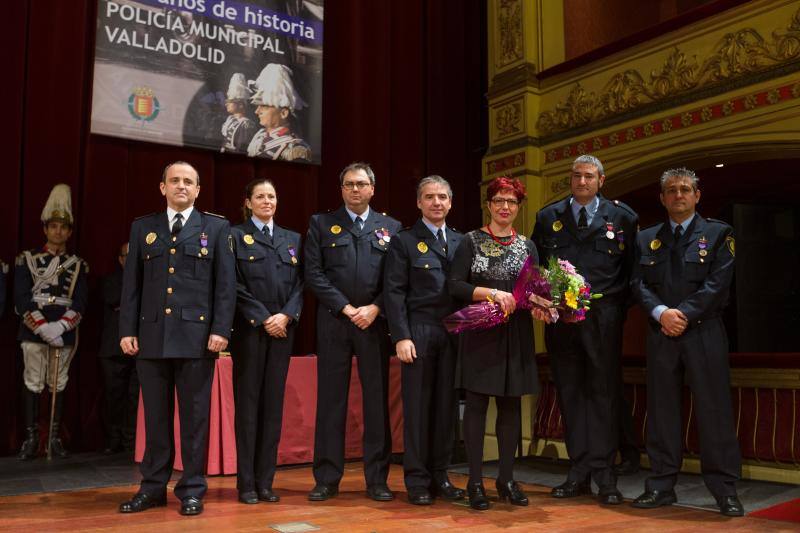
(499, 361)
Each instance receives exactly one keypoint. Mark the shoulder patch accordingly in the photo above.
(145, 216)
(214, 215)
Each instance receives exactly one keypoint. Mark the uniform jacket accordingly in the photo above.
(700, 289)
(112, 292)
(605, 262)
(33, 305)
(280, 144)
(415, 279)
(344, 265)
(175, 294)
(269, 276)
(238, 132)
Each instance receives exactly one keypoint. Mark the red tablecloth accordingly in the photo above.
(299, 411)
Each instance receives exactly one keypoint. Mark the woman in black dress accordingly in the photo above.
(269, 285)
(499, 361)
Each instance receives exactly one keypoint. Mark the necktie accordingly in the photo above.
(676, 255)
(177, 226)
(582, 222)
(358, 223)
(440, 239)
(678, 233)
(267, 234)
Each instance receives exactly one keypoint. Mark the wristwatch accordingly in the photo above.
(492, 295)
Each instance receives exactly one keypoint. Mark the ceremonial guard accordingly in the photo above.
(269, 286)
(345, 252)
(237, 130)
(416, 297)
(178, 300)
(50, 294)
(277, 103)
(119, 370)
(595, 235)
(682, 280)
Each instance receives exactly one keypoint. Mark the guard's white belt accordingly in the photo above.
(52, 300)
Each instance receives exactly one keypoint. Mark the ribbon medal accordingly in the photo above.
(383, 236)
(655, 244)
(336, 229)
(293, 253)
(151, 238)
(248, 239)
(702, 244)
(204, 243)
(621, 239)
(609, 230)
(557, 225)
(422, 247)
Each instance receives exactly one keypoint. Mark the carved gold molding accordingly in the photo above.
(509, 119)
(509, 30)
(737, 54)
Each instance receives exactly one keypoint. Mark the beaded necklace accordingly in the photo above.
(513, 236)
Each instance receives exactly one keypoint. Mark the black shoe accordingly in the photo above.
(191, 506)
(510, 491)
(30, 447)
(571, 489)
(477, 496)
(266, 495)
(655, 498)
(609, 496)
(142, 502)
(321, 492)
(419, 496)
(731, 506)
(57, 449)
(627, 467)
(446, 490)
(380, 493)
(249, 497)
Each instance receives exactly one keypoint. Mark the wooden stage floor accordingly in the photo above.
(351, 511)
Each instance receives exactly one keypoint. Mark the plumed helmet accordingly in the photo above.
(237, 88)
(274, 87)
(59, 205)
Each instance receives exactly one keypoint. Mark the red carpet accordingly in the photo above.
(786, 511)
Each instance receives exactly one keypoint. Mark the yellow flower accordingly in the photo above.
(572, 299)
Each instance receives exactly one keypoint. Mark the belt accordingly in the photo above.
(44, 299)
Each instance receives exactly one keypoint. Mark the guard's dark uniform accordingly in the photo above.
(345, 265)
(269, 281)
(585, 356)
(174, 295)
(119, 372)
(693, 276)
(416, 298)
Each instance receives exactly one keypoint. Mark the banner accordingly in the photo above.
(235, 76)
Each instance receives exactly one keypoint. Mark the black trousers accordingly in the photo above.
(585, 358)
(701, 354)
(260, 366)
(160, 379)
(338, 340)
(122, 400)
(508, 428)
(429, 403)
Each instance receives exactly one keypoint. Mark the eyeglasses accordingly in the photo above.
(685, 190)
(353, 185)
(500, 202)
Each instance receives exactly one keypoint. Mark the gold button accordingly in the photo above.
(172, 251)
(251, 258)
(147, 256)
(652, 262)
(169, 290)
(202, 318)
(252, 321)
(427, 266)
(168, 310)
(174, 239)
(171, 270)
(333, 245)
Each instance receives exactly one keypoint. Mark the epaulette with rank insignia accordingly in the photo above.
(213, 214)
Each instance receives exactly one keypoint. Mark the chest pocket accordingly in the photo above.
(153, 262)
(197, 263)
(428, 273)
(696, 266)
(335, 250)
(607, 246)
(251, 262)
(653, 268)
(288, 264)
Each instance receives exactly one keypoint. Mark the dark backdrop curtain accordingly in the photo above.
(404, 86)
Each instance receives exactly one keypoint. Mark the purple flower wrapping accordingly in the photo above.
(475, 317)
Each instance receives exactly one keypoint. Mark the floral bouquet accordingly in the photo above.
(558, 291)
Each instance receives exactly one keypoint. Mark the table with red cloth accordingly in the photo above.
(299, 412)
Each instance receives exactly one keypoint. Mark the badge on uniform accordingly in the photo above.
(609, 230)
(422, 247)
(293, 253)
(336, 229)
(557, 225)
(702, 244)
(248, 239)
(621, 240)
(151, 238)
(655, 244)
(204, 243)
(731, 245)
(383, 236)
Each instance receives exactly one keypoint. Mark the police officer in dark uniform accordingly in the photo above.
(270, 299)
(119, 370)
(345, 251)
(596, 236)
(416, 297)
(50, 294)
(683, 273)
(178, 301)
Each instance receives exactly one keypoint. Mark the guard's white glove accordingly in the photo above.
(58, 342)
(51, 331)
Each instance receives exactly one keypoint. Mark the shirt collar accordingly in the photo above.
(591, 207)
(186, 214)
(685, 223)
(260, 225)
(434, 229)
(353, 216)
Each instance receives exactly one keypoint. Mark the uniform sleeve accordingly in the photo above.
(538, 233)
(642, 293)
(248, 305)
(457, 283)
(111, 291)
(294, 304)
(224, 283)
(532, 251)
(629, 259)
(714, 290)
(80, 299)
(395, 288)
(394, 228)
(315, 277)
(131, 298)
